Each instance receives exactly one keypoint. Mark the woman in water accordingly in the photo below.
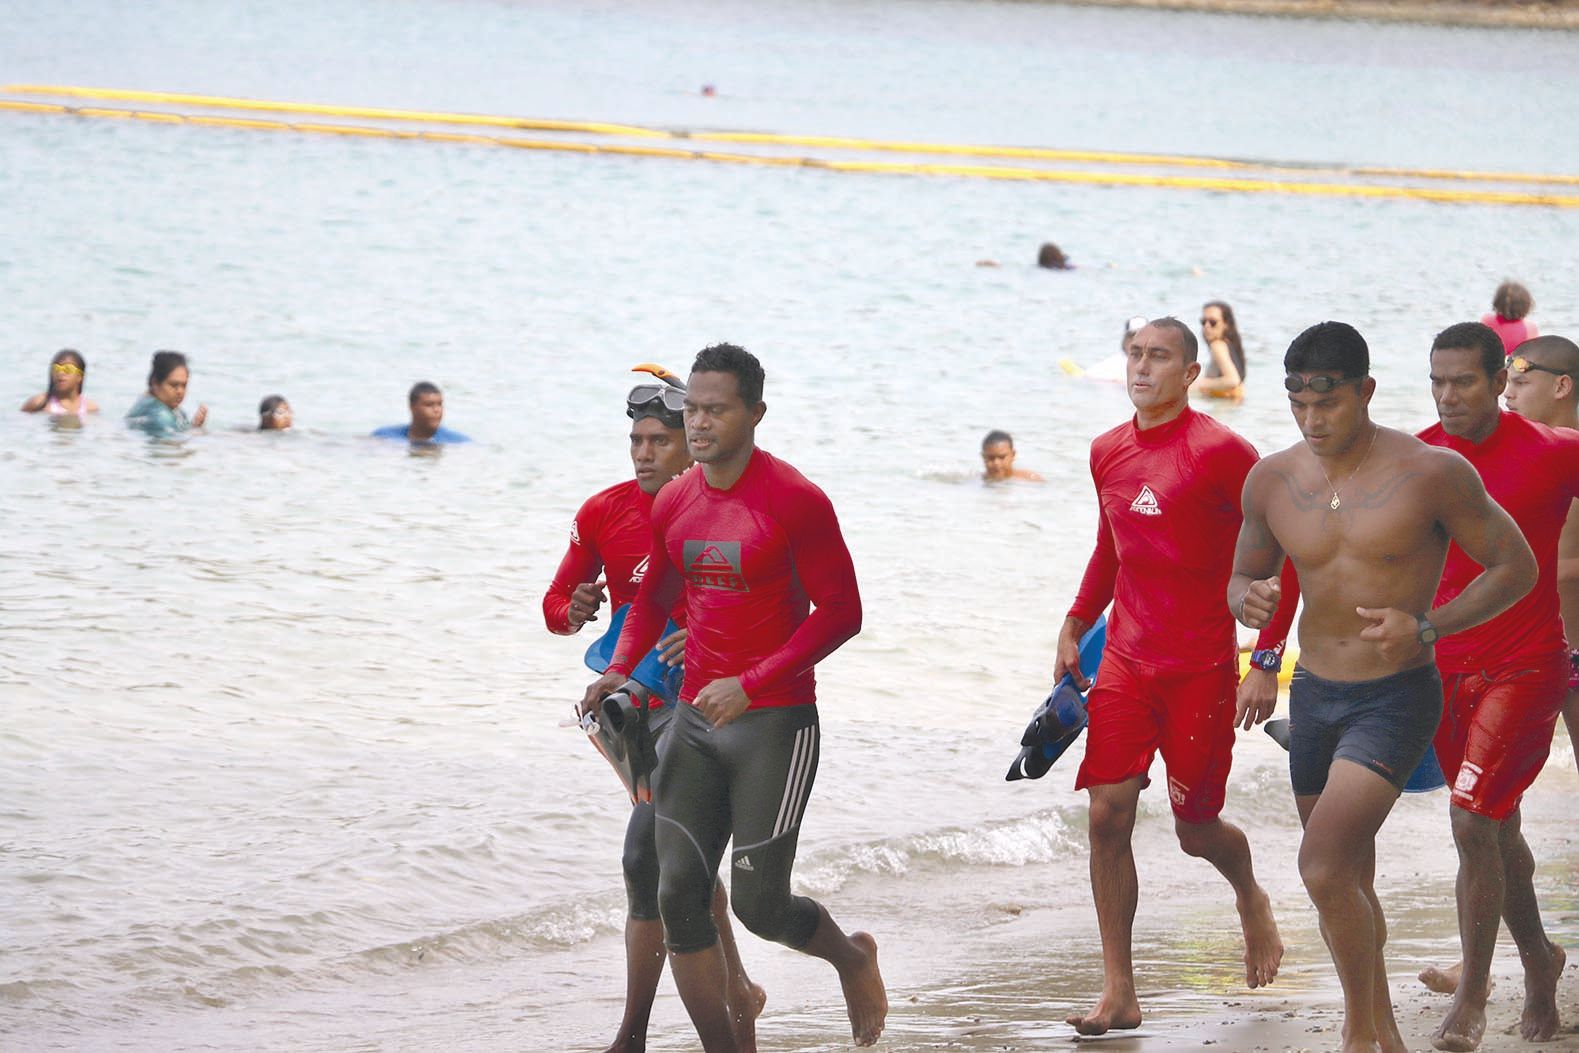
(63, 395)
(1511, 305)
(1224, 375)
(159, 411)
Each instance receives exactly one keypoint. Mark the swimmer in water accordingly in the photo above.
(997, 455)
(62, 396)
(1509, 318)
(1224, 375)
(158, 412)
(427, 416)
(1051, 257)
(274, 414)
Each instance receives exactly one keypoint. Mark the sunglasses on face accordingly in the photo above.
(1320, 384)
(1520, 364)
(1210, 321)
(65, 369)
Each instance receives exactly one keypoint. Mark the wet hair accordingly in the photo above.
(421, 388)
(995, 437)
(1558, 352)
(1192, 346)
(165, 363)
(1329, 347)
(66, 354)
(1474, 336)
(1512, 301)
(1052, 257)
(267, 407)
(729, 358)
(1236, 346)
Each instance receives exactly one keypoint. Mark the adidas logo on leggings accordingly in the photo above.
(744, 863)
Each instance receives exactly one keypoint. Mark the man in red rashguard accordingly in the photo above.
(612, 535)
(1505, 681)
(1168, 485)
(769, 591)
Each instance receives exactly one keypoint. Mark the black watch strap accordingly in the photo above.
(1428, 634)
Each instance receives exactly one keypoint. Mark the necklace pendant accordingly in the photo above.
(1333, 504)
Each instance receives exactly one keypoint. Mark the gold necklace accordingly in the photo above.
(1334, 503)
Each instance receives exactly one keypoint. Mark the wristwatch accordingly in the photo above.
(1428, 633)
(1270, 659)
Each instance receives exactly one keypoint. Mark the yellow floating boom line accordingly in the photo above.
(1044, 175)
(1022, 153)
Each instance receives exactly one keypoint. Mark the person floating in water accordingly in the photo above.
(1511, 305)
(158, 412)
(274, 414)
(62, 395)
(427, 415)
(1051, 257)
(997, 457)
(1224, 375)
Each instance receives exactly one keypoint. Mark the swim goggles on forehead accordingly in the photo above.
(1320, 384)
(656, 400)
(1520, 364)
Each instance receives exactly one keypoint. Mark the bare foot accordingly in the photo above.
(745, 1005)
(1462, 1028)
(1442, 981)
(1540, 1018)
(1112, 1013)
(864, 996)
(1263, 947)
(629, 1042)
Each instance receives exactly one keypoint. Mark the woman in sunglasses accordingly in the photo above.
(62, 396)
(1224, 375)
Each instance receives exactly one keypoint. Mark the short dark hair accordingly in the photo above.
(994, 437)
(1557, 352)
(421, 388)
(1192, 346)
(1329, 347)
(269, 404)
(730, 358)
(1474, 336)
(1052, 257)
(165, 363)
(1512, 300)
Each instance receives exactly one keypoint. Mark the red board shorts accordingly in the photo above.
(1189, 716)
(1496, 732)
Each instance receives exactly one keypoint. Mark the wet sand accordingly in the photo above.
(1555, 14)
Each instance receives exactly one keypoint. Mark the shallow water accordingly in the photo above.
(280, 760)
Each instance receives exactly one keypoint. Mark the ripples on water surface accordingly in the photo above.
(280, 764)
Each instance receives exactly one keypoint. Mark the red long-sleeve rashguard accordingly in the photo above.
(1169, 517)
(768, 583)
(613, 532)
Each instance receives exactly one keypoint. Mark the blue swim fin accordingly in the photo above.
(1061, 717)
(662, 680)
(1427, 774)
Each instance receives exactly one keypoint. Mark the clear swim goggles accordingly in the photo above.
(1320, 384)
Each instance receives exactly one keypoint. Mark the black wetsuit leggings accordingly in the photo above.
(749, 779)
(641, 848)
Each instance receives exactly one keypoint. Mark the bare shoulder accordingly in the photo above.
(34, 404)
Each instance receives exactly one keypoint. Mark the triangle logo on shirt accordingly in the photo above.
(1146, 503)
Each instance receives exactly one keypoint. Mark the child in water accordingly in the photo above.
(62, 396)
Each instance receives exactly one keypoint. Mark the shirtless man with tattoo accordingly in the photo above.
(1365, 513)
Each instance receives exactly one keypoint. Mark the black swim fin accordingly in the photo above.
(1058, 721)
(625, 740)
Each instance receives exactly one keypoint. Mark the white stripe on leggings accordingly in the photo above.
(795, 781)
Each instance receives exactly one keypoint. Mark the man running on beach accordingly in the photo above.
(1543, 385)
(612, 535)
(769, 592)
(1505, 681)
(1168, 485)
(1365, 514)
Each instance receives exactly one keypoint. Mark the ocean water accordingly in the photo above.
(280, 763)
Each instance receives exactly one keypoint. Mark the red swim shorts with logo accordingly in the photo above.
(1496, 731)
(1188, 716)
